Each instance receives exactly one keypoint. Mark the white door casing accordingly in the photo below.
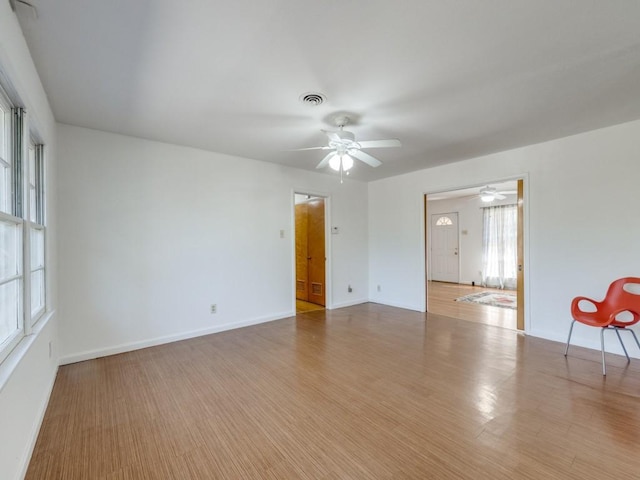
(445, 265)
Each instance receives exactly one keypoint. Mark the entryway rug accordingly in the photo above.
(502, 300)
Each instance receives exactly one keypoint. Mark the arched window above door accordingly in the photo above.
(443, 221)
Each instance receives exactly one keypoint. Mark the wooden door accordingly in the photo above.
(302, 247)
(316, 253)
(310, 251)
(520, 280)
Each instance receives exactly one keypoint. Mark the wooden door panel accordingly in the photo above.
(521, 265)
(316, 252)
(302, 263)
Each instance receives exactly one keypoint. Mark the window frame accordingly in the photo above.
(24, 199)
(35, 220)
(8, 216)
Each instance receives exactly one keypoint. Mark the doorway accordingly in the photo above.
(310, 286)
(473, 296)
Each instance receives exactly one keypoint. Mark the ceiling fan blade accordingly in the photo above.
(508, 192)
(310, 148)
(499, 196)
(392, 142)
(365, 157)
(325, 161)
(332, 135)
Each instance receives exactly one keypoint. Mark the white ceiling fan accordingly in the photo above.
(344, 148)
(489, 194)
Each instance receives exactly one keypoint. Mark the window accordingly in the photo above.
(37, 230)
(11, 226)
(22, 228)
(500, 246)
(443, 221)
(10, 281)
(5, 157)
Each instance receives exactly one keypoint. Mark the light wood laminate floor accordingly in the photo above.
(442, 301)
(303, 307)
(364, 392)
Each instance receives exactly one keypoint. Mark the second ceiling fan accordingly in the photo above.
(489, 194)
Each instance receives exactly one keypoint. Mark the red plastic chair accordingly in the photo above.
(620, 298)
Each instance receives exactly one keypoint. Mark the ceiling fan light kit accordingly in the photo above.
(336, 162)
(489, 194)
(487, 197)
(345, 148)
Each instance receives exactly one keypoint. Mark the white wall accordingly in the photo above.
(27, 375)
(581, 218)
(152, 234)
(470, 228)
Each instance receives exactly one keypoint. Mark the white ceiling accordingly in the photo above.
(450, 79)
(508, 186)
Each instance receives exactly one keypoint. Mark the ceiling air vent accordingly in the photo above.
(313, 98)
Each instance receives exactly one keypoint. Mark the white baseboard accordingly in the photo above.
(590, 338)
(415, 308)
(128, 347)
(350, 303)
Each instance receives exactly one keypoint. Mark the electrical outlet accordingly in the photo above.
(214, 308)
(349, 289)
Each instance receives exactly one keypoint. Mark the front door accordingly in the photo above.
(444, 248)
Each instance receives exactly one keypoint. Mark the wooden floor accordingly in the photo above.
(364, 392)
(442, 301)
(303, 307)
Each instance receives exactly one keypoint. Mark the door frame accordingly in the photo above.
(327, 245)
(524, 309)
(430, 242)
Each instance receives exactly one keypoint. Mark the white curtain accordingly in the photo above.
(500, 242)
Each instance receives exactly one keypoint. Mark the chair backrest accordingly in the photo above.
(620, 297)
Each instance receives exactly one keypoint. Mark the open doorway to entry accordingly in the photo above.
(310, 231)
(474, 254)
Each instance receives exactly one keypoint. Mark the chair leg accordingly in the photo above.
(566, 350)
(634, 337)
(622, 343)
(604, 369)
